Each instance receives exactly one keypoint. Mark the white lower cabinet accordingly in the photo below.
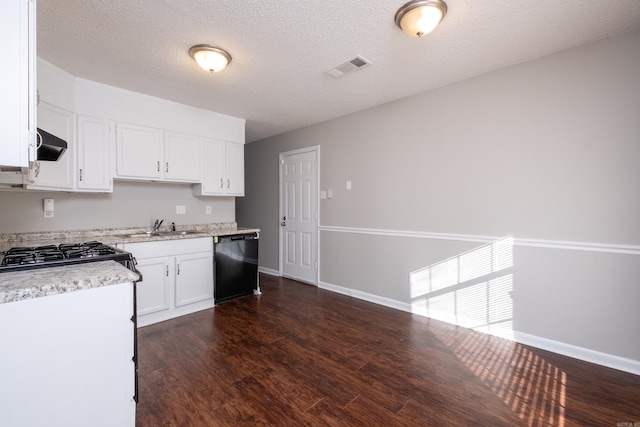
(177, 278)
(67, 359)
(194, 278)
(153, 292)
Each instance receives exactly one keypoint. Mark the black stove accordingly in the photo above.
(25, 258)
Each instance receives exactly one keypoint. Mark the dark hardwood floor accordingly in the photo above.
(300, 356)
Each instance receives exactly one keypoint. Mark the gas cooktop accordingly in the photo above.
(24, 258)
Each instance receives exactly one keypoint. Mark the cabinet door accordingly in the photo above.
(17, 83)
(138, 152)
(234, 185)
(213, 173)
(194, 278)
(153, 291)
(92, 157)
(56, 175)
(86, 338)
(181, 157)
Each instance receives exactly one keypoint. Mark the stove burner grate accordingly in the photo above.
(51, 253)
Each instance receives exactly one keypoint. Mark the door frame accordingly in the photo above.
(281, 156)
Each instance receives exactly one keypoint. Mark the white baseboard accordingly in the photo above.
(585, 354)
(592, 356)
(387, 302)
(269, 271)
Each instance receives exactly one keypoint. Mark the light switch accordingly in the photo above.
(207, 210)
(330, 193)
(323, 194)
(348, 185)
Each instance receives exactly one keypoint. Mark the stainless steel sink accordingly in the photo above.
(144, 234)
(159, 234)
(179, 233)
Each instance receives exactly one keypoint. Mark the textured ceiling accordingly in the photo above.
(282, 48)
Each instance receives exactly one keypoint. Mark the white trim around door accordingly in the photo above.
(299, 214)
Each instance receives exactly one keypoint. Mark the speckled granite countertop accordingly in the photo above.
(113, 236)
(22, 285)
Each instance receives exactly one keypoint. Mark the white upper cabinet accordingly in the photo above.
(213, 168)
(58, 175)
(17, 83)
(139, 152)
(234, 155)
(151, 154)
(222, 169)
(181, 157)
(93, 160)
(85, 165)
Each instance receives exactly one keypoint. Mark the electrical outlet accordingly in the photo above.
(181, 210)
(48, 207)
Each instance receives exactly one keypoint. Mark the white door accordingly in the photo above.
(299, 215)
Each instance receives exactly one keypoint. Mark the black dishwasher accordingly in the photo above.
(235, 259)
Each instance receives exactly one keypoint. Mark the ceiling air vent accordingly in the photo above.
(348, 66)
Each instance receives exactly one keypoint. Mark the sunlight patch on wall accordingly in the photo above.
(471, 289)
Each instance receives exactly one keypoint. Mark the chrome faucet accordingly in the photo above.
(157, 224)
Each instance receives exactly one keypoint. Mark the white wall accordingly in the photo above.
(132, 204)
(546, 151)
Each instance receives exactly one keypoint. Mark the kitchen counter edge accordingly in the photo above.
(27, 284)
(116, 236)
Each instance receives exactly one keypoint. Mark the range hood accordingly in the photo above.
(51, 148)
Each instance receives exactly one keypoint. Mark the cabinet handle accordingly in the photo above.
(80, 175)
(228, 182)
(178, 269)
(166, 167)
(166, 270)
(158, 165)
(221, 183)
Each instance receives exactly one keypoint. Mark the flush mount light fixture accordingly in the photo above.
(212, 59)
(420, 17)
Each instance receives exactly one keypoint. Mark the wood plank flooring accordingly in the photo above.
(301, 356)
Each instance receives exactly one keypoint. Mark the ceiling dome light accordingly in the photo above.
(420, 17)
(212, 59)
